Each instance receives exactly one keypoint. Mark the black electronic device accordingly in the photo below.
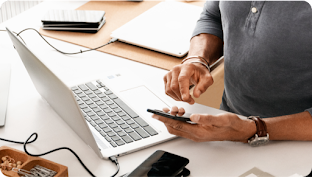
(184, 118)
(161, 163)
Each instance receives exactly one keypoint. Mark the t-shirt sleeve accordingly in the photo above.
(309, 110)
(210, 20)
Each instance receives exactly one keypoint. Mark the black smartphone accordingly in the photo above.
(160, 163)
(184, 118)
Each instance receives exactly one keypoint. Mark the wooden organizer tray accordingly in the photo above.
(29, 162)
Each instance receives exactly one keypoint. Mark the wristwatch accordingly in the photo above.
(262, 136)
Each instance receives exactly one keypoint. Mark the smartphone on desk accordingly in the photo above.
(160, 163)
(184, 118)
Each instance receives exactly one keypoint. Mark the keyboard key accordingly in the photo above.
(150, 130)
(103, 133)
(111, 134)
(98, 128)
(99, 121)
(117, 110)
(122, 114)
(99, 102)
(98, 81)
(103, 125)
(78, 91)
(82, 106)
(90, 114)
(120, 122)
(98, 86)
(98, 92)
(81, 95)
(125, 107)
(108, 92)
(126, 117)
(88, 92)
(95, 99)
(107, 129)
(134, 126)
(119, 142)
(104, 117)
(121, 133)
(93, 106)
(103, 106)
(83, 87)
(74, 88)
(127, 139)
(112, 106)
(115, 118)
(100, 113)
(113, 125)
(141, 132)
(128, 130)
(85, 98)
(124, 126)
(109, 140)
(115, 138)
(92, 95)
(105, 98)
(135, 136)
(109, 102)
(86, 110)
(102, 84)
(140, 121)
(112, 96)
(80, 102)
(106, 88)
(101, 95)
(94, 117)
(117, 129)
(89, 102)
(107, 110)
(96, 109)
(111, 114)
(108, 121)
(113, 144)
(88, 119)
(77, 98)
(93, 124)
(91, 86)
(130, 121)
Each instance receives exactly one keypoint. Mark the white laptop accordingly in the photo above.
(167, 27)
(109, 114)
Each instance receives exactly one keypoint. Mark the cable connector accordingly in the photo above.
(113, 40)
(115, 161)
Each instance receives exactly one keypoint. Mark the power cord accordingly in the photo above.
(112, 158)
(66, 53)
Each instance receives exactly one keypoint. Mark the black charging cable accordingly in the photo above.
(112, 158)
(65, 53)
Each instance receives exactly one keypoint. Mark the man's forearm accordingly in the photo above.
(208, 46)
(290, 127)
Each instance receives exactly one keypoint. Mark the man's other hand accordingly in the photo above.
(181, 77)
(221, 127)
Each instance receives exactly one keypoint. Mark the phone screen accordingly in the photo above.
(160, 163)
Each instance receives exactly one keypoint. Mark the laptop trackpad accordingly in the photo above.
(140, 99)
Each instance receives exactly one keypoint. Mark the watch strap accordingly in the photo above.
(261, 126)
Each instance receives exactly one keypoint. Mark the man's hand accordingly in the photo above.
(181, 77)
(221, 127)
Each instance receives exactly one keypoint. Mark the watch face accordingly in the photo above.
(259, 141)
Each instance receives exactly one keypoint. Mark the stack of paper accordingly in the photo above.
(74, 20)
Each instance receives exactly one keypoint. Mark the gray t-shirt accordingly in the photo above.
(268, 54)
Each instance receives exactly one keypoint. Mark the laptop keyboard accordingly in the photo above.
(109, 115)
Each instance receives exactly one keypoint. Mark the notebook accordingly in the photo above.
(167, 28)
(74, 20)
(109, 114)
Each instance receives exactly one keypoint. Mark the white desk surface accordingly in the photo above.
(28, 113)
